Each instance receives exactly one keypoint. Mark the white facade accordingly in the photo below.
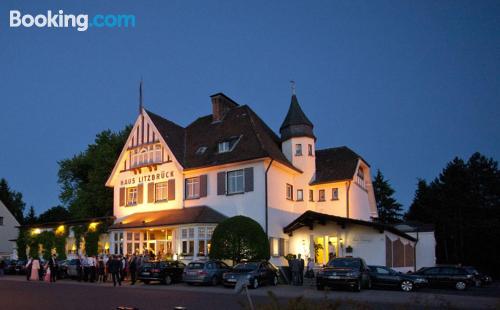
(279, 193)
(8, 231)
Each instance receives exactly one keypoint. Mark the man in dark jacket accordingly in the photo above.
(300, 262)
(53, 268)
(132, 267)
(115, 269)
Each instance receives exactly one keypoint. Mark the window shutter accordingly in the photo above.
(203, 185)
(151, 192)
(122, 196)
(221, 183)
(140, 193)
(171, 189)
(281, 245)
(249, 179)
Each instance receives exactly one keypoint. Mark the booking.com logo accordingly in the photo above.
(61, 20)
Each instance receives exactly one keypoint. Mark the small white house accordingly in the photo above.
(9, 228)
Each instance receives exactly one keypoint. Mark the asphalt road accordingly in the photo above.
(17, 293)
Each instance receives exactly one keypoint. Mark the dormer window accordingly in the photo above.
(360, 177)
(298, 149)
(201, 150)
(228, 145)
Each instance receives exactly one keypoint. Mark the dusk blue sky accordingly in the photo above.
(408, 85)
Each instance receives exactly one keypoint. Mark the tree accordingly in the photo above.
(54, 214)
(82, 178)
(463, 203)
(238, 238)
(389, 210)
(30, 218)
(13, 200)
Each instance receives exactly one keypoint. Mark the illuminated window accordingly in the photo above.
(192, 188)
(131, 196)
(161, 191)
(276, 246)
(146, 155)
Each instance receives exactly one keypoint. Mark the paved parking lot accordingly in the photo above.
(17, 293)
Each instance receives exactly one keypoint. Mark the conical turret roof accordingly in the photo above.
(296, 123)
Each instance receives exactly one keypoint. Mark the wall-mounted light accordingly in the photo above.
(93, 226)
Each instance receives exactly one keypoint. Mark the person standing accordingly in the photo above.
(310, 268)
(124, 267)
(92, 268)
(300, 262)
(85, 265)
(132, 267)
(114, 268)
(35, 268)
(100, 270)
(53, 268)
(331, 251)
(295, 270)
(28, 268)
(79, 268)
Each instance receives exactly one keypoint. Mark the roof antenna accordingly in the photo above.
(292, 83)
(140, 97)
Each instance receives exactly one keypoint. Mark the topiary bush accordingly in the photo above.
(239, 238)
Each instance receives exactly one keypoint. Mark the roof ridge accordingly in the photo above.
(163, 118)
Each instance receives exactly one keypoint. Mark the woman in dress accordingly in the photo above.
(46, 277)
(35, 267)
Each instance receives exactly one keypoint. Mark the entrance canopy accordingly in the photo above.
(310, 218)
(189, 215)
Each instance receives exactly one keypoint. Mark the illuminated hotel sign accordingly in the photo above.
(148, 178)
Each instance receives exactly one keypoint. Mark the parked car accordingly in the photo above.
(166, 272)
(480, 278)
(385, 277)
(209, 272)
(447, 276)
(10, 267)
(71, 268)
(257, 273)
(346, 271)
(20, 267)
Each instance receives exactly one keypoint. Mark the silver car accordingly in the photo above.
(206, 272)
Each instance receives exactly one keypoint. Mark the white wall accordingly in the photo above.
(8, 231)
(426, 248)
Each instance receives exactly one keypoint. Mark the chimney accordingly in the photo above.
(221, 104)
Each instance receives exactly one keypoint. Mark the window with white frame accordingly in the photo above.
(335, 193)
(187, 241)
(289, 192)
(228, 145)
(146, 155)
(300, 195)
(360, 177)
(276, 246)
(131, 196)
(235, 181)
(161, 191)
(298, 149)
(193, 188)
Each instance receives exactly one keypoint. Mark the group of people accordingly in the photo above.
(38, 271)
(296, 265)
(119, 267)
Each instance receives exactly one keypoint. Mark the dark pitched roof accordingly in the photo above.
(256, 139)
(199, 214)
(296, 123)
(310, 218)
(172, 133)
(335, 164)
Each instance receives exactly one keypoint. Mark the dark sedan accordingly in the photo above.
(480, 278)
(447, 276)
(209, 272)
(166, 272)
(10, 266)
(385, 277)
(257, 273)
(346, 271)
